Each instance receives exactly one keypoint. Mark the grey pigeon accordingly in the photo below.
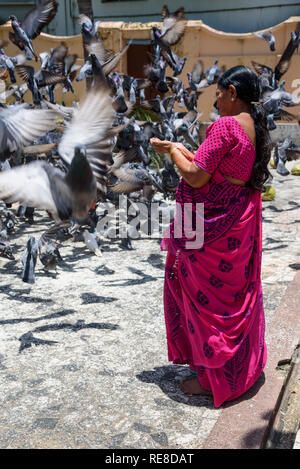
(29, 259)
(267, 36)
(32, 25)
(20, 126)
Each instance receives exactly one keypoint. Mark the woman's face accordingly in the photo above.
(225, 100)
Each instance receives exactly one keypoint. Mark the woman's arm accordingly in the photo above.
(183, 159)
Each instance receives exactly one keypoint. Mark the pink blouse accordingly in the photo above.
(228, 148)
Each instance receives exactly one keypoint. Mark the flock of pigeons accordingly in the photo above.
(98, 149)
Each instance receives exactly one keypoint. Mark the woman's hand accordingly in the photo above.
(161, 146)
(164, 146)
(184, 151)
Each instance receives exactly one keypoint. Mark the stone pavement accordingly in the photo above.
(98, 375)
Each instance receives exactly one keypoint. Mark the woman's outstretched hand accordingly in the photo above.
(164, 146)
(161, 146)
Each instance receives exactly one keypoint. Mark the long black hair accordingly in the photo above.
(246, 83)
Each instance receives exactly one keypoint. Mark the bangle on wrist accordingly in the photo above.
(171, 153)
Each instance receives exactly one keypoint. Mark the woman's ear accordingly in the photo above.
(233, 93)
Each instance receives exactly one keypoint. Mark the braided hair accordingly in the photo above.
(246, 83)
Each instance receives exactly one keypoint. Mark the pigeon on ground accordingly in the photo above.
(285, 151)
(29, 259)
(91, 243)
(50, 257)
(5, 247)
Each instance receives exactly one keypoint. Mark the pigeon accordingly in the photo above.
(20, 126)
(172, 31)
(92, 126)
(10, 221)
(272, 102)
(9, 63)
(274, 76)
(29, 259)
(50, 257)
(41, 185)
(212, 73)
(55, 61)
(295, 35)
(5, 247)
(177, 67)
(89, 31)
(268, 37)
(18, 91)
(38, 80)
(285, 151)
(109, 63)
(32, 25)
(91, 243)
(85, 71)
(132, 179)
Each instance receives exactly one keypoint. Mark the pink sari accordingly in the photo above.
(213, 295)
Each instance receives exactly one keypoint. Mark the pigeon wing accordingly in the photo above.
(173, 30)
(91, 126)
(25, 72)
(29, 185)
(49, 78)
(39, 17)
(165, 12)
(198, 72)
(111, 63)
(26, 125)
(97, 48)
(259, 68)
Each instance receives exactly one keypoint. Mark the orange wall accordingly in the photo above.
(199, 41)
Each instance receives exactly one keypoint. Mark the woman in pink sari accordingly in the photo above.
(212, 294)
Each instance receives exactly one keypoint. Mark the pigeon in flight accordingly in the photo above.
(172, 31)
(32, 25)
(20, 126)
(268, 37)
(86, 150)
(41, 185)
(9, 63)
(36, 81)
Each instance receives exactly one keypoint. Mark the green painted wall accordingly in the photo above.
(237, 16)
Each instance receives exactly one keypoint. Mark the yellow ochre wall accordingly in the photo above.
(199, 41)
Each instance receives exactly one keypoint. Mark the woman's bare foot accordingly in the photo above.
(192, 387)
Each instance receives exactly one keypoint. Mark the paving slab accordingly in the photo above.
(98, 375)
